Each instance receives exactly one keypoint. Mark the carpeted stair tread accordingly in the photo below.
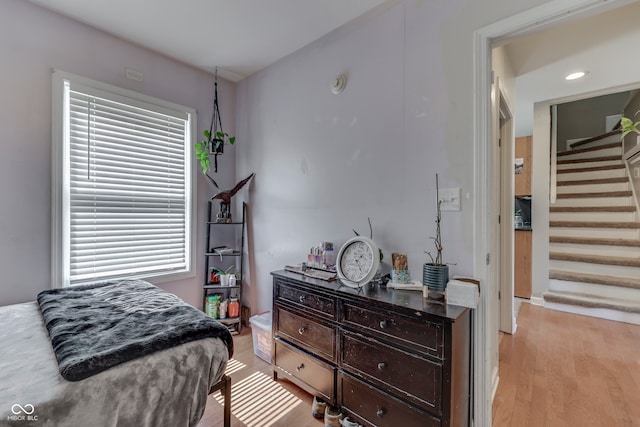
(596, 259)
(623, 180)
(595, 224)
(587, 150)
(593, 195)
(589, 160)
(591, 301)
(592, 209)
(594, 241)
(590, 169)
(598, 279)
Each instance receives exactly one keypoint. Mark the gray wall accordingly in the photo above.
(32, 42)
(586, 118)
(324, 162)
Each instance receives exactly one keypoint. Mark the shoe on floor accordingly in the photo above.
(318, 407)
(346, 422)
(332, 417)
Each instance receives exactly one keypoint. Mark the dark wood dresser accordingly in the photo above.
(386, 357)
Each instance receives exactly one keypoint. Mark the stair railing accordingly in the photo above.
(632, 163)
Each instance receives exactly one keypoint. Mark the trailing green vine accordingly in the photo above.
(627, 125)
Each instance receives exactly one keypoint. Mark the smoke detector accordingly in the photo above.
(338, 84)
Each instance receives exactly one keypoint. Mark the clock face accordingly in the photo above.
(358, 260)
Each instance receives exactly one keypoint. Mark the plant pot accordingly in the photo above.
(217, 146)
(224, 279)
(400, 276)
(435, 276)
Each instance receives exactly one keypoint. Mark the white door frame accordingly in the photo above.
(507, 320)
(552, 12)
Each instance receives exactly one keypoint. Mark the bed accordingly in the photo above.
(160, 377)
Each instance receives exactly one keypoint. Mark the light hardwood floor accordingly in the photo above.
(562, 369)
(257, 400)
(559, 369)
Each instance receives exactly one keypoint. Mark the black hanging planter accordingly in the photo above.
(215, 137)
(216, 144)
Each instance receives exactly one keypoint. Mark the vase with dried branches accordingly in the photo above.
(435, 274)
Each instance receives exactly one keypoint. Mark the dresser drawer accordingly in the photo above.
(421, 334)
(404, 374)
(316, 376)
(324, 306)
(369, 405)
(314, 336)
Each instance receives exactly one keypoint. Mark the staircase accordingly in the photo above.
(594, 234)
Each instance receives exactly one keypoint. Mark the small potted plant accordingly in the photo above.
(224, 274)
(435, 274)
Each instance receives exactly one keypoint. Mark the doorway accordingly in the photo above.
(485, 328)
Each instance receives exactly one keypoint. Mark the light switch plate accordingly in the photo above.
(449, 199)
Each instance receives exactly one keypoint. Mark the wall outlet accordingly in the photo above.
(449, 199)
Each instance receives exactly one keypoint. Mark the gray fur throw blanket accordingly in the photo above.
(98, 326)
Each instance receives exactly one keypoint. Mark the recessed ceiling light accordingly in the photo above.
(574, 76)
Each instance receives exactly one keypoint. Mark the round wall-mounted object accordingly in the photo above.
(338, 84)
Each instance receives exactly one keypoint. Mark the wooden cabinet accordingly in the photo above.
(522, 267)
(524, 151)
(385, 357)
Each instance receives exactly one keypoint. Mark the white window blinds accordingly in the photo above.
(127, 192)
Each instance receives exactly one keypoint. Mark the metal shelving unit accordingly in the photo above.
(216, 237)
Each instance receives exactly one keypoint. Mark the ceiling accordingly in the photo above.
(604, 45)
(243, 36)
(238, 36)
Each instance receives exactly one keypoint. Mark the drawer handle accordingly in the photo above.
(380, 412)
(381, 366)
(301, 331)
(301, 298)
(385, 323)
(299, 368)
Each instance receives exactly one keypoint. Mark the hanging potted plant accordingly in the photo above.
(435, 274)
(214, 137)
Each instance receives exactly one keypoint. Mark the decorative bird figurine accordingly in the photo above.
(225, 198)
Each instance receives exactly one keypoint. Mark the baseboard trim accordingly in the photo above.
(537, 301)
(494, 382)
(601, 313)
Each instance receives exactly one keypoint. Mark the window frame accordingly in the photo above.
(60, 257)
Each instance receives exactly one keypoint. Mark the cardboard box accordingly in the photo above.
(463, 292)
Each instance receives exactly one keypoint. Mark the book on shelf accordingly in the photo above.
(222, 250)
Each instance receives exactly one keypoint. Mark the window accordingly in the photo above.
(122, 184)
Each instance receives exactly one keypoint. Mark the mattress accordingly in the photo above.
(166, 388)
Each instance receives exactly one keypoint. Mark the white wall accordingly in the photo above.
(324, 162)
(502, 68)
(32, 42)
